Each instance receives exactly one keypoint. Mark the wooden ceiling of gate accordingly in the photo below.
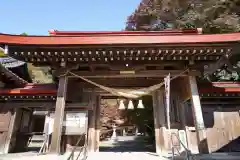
(120, 48)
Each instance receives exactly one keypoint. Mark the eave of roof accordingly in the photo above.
(106, 39)
(226, 84)
(12, 76)
(109, 33)
(31, 89)
(219, 90)
(10, 62)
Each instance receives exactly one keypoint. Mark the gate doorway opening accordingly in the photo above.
(126, 129)
(36, 135)
(38, 123)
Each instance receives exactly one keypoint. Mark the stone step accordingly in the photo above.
(36, 141)
(38, 138)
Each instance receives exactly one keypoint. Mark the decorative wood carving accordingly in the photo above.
(223, 60)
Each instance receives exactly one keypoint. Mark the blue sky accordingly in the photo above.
(38, 16)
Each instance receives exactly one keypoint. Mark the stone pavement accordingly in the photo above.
(128, 144)
(118, 156)
(92, 156)
(126, 148)
(121, 156)
(31, 157)
(124, 156)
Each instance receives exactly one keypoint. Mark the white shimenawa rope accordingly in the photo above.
(133, 94)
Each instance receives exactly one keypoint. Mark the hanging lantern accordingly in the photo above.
(130, 105)
(121, 105)
(140, 104)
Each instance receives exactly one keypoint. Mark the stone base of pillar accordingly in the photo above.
(164, 141)
(91, 139)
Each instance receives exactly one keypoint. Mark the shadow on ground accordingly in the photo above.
(129, 144)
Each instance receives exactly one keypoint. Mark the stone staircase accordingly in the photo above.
(35, 143)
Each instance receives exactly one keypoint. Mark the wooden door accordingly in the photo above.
(25, 120)
(5, 119)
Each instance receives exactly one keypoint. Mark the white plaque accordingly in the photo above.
(75, 123)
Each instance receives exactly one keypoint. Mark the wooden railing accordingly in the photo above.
(188, 154)
(83, 149)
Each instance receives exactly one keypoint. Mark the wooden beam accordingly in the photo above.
(91, 124)
(198, 116)
(156, 124)
(97, 123)
(134, 74)
(11, 131)
(121, 82)
(162, 119)
(159, 121)
(181, 86)
(59, 115)
(137, 67)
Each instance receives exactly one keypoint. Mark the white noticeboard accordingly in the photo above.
(75, 123)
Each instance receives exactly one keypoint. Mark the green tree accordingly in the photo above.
(39, 74)
(24, 34)
(212, 16)
(2, 54)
